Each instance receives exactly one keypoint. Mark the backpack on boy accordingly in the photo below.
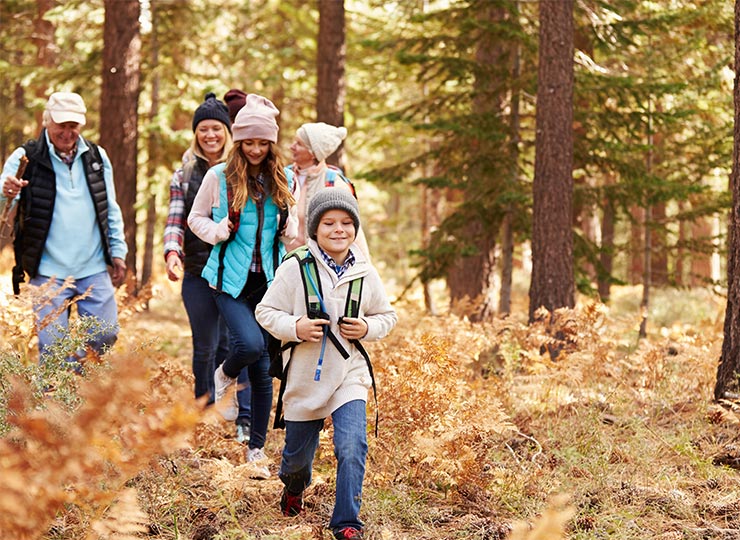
(313, 296)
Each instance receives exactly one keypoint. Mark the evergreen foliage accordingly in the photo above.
(652, 114)
(460, 147)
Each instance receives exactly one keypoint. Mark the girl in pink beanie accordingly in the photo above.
(245, 209)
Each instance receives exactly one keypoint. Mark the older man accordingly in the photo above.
(68, 225)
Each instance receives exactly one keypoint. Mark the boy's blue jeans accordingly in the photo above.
(101, 304)
(350, 449)
(248, 348)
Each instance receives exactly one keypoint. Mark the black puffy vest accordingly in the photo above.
(36, 205)
(196, 250)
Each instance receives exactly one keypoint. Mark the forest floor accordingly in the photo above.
(482, 434)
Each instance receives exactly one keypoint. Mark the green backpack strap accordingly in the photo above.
(352, 309)
(311, 285)
(354, 295)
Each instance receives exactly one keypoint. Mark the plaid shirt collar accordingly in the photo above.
(67, 157)
(338, 269)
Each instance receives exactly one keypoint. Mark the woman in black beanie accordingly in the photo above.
(186, 254)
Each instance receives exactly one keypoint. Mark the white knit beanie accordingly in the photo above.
(331, 199)
(322, 139)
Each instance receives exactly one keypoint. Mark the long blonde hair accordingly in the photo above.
(238, 178)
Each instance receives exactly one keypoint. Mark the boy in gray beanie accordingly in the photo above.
(331, 199)
(320, 381)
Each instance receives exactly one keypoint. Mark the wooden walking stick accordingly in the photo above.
(5, 217)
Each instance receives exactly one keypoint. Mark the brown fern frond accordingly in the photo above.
(123, 521)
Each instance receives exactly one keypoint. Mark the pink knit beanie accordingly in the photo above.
(256, 120)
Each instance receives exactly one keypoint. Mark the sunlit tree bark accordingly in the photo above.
(119, 100)
(330, 64)
(553, 282)
(154, 145)
(472, 276)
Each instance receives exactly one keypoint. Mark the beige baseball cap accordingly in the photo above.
(66, 107)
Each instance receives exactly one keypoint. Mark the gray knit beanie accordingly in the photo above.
(331, 199)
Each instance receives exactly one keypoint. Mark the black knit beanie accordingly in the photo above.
(212, 109)
(331, 198)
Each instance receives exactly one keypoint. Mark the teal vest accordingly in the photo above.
(238, 256)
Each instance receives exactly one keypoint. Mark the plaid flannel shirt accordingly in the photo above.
(338, 269)
(174, 229)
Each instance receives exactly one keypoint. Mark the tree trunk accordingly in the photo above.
(46, 49)
(659, 242)
(678, 267)
(330, 62)
(507, 230)
(659, 257)
(606, 255)
(472, 276)
(636, 252)
(429, 219)
(507, 265)
(729, 363)
(46, 59)
(553, 281)
(647, 276)
(154, 144)
(701, 258)
(119, 101)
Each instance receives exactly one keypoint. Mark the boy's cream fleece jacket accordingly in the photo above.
(341, 380)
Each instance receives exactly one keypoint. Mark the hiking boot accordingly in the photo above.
(225, 394)
(258, 459)
(348, 533)
(242, 433)
(291, 505)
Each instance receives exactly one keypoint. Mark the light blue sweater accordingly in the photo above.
(73, 247)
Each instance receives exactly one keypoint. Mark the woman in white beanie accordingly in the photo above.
(243, 209)
(313, 143)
